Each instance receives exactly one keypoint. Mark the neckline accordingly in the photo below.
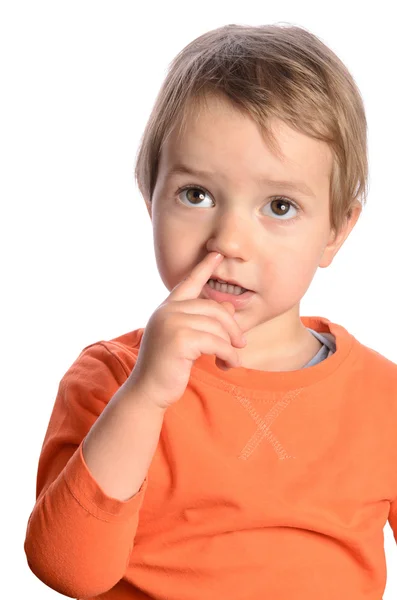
(205, 369)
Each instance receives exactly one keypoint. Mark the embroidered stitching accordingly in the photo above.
(263, 430)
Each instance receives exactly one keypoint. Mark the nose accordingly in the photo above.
(232, 235)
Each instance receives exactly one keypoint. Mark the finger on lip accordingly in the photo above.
(203, 269)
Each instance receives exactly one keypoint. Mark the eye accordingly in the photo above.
(195, 195)
(281, 207)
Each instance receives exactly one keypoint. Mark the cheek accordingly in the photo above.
(176, 254)
(170, 228)
(290, 270)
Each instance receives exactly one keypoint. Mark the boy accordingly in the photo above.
(182, 461)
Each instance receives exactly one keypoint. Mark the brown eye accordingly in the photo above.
(280, 206)
(193, 195)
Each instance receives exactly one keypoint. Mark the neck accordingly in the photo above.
(281, 344)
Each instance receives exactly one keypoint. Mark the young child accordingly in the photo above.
(182, 462)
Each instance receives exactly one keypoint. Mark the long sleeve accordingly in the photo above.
(78, 539)
(393, 518)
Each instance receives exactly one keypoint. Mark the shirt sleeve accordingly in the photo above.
(79, 539)
(393, 518)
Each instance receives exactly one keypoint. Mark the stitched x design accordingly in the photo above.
(263, 430)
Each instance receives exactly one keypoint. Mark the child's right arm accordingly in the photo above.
(80, 535)
(102, 436)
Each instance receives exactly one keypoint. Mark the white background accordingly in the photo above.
(78, 81)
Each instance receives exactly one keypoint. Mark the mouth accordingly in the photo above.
(239, 297)
(225, 282)
(227, 287)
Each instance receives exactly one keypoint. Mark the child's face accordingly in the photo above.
(269, 246)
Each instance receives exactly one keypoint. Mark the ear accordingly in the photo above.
(335, 241)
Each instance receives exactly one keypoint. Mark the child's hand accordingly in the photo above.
(179, 331)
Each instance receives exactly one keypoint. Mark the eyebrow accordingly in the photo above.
(300, 186)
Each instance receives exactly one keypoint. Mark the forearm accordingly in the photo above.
(120, 446)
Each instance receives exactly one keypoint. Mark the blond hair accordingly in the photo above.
(265, 72)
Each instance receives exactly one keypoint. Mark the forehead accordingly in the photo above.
(222, 140)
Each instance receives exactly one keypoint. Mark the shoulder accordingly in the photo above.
(376, 361)
(376, 373)
(105, 360)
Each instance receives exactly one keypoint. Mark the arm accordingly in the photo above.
(120, 446)
(79, 536)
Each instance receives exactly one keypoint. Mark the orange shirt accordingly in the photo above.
(264, 485)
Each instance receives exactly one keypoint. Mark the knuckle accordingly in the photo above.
(161, 312)
(170, 315)
(162, 317)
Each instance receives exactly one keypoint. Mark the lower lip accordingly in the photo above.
(237, 301)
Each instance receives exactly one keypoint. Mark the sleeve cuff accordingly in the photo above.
(89, 494)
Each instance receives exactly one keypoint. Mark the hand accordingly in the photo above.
(180, 330)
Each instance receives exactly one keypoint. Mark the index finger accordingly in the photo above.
(190, 287)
